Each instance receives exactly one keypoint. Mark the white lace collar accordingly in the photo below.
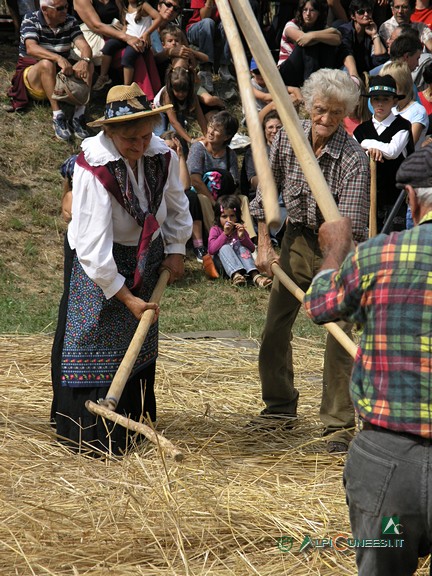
(98, 150)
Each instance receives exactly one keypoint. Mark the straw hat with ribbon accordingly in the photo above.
(126, 103)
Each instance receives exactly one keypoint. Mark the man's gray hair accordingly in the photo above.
(424, 195)
(46, 3)
(328, 84)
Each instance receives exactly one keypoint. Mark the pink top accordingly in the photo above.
(217, 238)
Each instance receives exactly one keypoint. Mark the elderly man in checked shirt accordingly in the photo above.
(329, 96)
(386, 286)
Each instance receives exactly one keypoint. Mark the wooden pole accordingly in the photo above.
(123, 372)
(302, 149)
(258, 144)
(335, 330)
(293, 129)
(373, 229)
(144, 429)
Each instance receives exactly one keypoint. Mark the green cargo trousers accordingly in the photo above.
(301, 259)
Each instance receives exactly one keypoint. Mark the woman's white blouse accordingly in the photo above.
(98, 220)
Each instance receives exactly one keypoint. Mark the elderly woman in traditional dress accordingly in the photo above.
(329, 96)
(130, 218)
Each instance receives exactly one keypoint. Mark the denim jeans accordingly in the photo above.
(202, 35)
(236, 258)
(387, 475)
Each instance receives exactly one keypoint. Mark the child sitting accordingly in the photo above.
(141, 20)
(179, 91)
(181, 55)
(230, 241)
(388, 140)
(260, 90)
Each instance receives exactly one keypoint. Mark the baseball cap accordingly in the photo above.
(253, 65)
(416, 170)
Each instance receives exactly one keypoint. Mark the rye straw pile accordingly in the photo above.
(218, 513)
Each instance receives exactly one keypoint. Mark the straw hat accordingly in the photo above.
(125, 103)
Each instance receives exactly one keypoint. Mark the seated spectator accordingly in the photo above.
(178, 50)
(407, 107)
(361, 112)
(100, 20)
(307, 44)
(214, 170)
(45, 44)
(422, 13)
(362, 48)
(262, 96)
(426, 95)
(179, 91)
(229, 240)
(249, 178)
(181, 55)
(402, 11)
(202, 29)
(174, 141)
(140, 21)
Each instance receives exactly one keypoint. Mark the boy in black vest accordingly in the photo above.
(388, 140)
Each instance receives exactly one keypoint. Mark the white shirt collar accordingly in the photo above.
(386, 122)
(99, 149)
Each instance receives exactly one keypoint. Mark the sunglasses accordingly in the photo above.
(59, 8)
(169, 5)
(363, 11)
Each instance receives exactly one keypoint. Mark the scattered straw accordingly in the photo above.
(219, 513)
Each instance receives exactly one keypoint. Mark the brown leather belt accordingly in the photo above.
(412, 437)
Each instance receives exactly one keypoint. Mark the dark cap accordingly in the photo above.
(383, 86)
(416, 170)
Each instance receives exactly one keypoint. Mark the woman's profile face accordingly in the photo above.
(132, 141)
(271, 128)
(310, 14)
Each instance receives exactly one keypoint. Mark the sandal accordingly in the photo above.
(238, 279)
(261, 281)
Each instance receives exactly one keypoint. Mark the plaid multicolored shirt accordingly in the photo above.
(386, 286)
(345, 167)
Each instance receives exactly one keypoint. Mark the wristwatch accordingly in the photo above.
(88, 60)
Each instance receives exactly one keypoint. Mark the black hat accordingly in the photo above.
(383, 86)
(416, 170)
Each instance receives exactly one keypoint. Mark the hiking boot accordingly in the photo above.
(206, 79)
(61, 128)
(199, 252)
(79, 127)
(101, 82)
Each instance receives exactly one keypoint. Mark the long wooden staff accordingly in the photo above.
(106, 407)
(267, 67)
(260, 153)
(373, 228)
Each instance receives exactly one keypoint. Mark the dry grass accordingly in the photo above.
(220, 512)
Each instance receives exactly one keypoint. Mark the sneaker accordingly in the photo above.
(225, 74)
(206, 81)
(199, 252)
(101, 82)
(61, 128)
(79, 127)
